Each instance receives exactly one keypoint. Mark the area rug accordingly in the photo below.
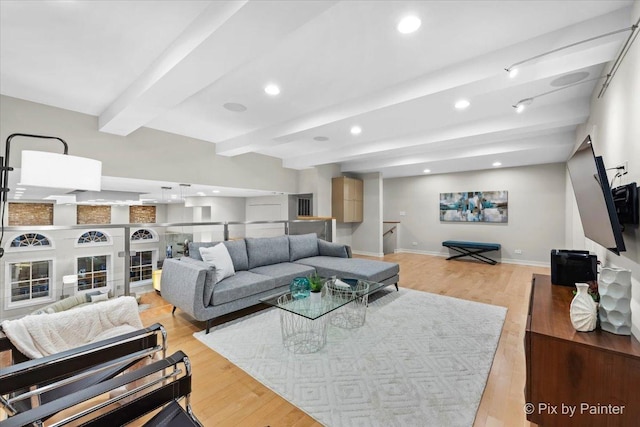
(420, 360)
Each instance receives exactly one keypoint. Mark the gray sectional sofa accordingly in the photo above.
(263, 266)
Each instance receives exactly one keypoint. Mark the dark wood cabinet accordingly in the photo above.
(576, 378)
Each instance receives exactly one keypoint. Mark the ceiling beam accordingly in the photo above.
(202, 54)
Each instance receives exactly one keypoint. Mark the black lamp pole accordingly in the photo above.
(4, 174)
(5, 168)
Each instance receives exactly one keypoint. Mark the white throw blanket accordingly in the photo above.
(45, 334)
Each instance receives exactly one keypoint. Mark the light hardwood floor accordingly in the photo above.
(224, 395)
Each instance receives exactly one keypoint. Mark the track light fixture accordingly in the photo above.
(521, 105)
(513, 68)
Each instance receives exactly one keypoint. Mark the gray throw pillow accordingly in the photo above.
(332, 249)
(303, 246)
(267, 250)
(238, 252)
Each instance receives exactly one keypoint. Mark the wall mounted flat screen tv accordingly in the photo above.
(594, 198)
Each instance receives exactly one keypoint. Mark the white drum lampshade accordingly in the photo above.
(71, 279)
(44, 169)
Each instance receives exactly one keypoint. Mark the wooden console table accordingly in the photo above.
(576, 378)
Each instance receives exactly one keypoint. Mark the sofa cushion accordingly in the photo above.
(194, 249)
(218, 257)
(303, 246)
(332, 249)
(237, 250)
(242, 285)
(357, 268)
(284, 273)
(209, 278)
(267, 250)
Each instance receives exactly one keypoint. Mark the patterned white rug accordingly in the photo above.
(420, 360)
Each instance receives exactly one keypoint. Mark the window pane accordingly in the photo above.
(40, 288)
(146, 273)
(84, 264)
(20, 293)
(100, 263)
(40, 269)
(20, 271)
(135, 260)
(147, 257)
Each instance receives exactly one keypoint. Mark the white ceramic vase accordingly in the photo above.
(315, 297)
(583, 311)
(614, 287)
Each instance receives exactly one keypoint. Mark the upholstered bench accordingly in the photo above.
(472, 249)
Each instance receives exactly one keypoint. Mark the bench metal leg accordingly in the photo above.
(474, 254)
(208, 325)
(174, 310)
(397, 287)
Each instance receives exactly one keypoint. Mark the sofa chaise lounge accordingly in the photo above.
(263, 266)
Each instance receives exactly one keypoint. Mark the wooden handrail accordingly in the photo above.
(389, 231)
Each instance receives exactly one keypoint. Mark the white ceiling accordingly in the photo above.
(171, 65)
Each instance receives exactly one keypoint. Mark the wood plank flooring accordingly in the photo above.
(224, 395)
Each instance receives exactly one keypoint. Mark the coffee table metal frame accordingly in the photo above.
(304, 322)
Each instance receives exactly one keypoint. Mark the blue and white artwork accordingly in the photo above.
(475, 206)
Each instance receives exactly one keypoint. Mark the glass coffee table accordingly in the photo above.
(304, 321)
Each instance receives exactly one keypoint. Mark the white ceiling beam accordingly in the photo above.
(486, 73)
(534, 156)
(570, 113)
(460, 148)
(202, 54)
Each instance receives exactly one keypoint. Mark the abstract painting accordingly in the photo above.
(475, 206)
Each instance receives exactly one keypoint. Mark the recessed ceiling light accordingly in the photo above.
(320, 138)
(215, 191)
(235, 107)
(513, 72)
(496, 164)
(462, 104)
(409, 24)
(20, 189)
(200, 193)
(356, 130)
(427, 171)
(272, 89)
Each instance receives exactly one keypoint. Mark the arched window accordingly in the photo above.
(29, 240)
(142, 235)
(93, 236)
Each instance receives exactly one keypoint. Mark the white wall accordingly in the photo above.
(614, 125)
(169, 157)
(267, 208)
(536, 211)
(367, 235)
(317, 181)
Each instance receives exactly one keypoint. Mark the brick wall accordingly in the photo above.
(142, 214)
(93, 214)
(30, 214)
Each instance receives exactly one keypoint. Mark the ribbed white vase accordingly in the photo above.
(583, 311)
(614, 287)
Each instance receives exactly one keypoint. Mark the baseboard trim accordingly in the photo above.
(503, 260)
(379, 255)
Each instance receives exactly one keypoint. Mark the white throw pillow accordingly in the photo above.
(99, 297)
(218, 256)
